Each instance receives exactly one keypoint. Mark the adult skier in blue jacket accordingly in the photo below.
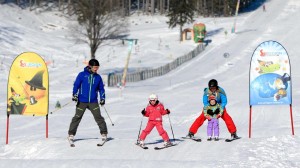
(85, 92)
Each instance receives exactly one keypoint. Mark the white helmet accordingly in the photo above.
(153, 97)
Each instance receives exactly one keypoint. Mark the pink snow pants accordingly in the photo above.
(159, 127)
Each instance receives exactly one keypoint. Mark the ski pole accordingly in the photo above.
(171, 127)
(137, 140)
(61, 107)
(108, 116)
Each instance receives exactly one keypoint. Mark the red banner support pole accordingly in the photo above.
(250, 115)
(7, 126)
(292, 122)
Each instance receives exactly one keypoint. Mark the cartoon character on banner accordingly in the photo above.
(15, 103)
(34, 88)
(271, 85)
(280, 84)
(267, 66)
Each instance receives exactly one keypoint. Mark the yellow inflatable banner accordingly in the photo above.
(28, 86)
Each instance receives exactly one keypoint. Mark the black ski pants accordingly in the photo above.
(80, 109)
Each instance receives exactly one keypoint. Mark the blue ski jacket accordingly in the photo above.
(220, 95)
(87, 85)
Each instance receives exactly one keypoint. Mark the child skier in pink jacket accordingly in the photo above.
(154, 110)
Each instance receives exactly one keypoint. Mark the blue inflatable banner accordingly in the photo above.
(270, 75)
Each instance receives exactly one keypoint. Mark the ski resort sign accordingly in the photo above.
(28, 88)
(270, 78)
(270, 75)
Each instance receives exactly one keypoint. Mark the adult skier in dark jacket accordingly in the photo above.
(85, 92)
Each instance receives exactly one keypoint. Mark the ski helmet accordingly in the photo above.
(213, 83)
(153, 97)
(94, 62)
(211, 97)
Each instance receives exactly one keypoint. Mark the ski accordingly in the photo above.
(143, 147)
(194, 139)
(163, 147)
(102, 143)
(232, 139)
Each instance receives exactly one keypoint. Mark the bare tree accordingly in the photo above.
(98, 23)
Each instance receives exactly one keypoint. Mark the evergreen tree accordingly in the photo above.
(180, 13)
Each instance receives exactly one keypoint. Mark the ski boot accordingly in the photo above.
(234, 136)
(167, 143)
(190, 135)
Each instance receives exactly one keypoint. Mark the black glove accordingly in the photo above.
(75, 98)
(210, 112)
(168, 111)
(217, 111)
(143, 112)
(102, 102)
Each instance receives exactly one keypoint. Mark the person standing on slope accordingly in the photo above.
(221, 98)
(85, 92)
(154, 110)
(212, 112)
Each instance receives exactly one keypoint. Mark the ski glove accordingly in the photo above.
(217, 111)
(208, 117)
(102, 102)
(168, 111)
(143, 112)
(210, 112)
(75, 98)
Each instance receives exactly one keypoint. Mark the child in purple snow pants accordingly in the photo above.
(213, 112)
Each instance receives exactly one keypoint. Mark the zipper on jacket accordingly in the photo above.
(91, 83)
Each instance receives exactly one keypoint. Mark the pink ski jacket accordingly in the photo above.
(155, 112)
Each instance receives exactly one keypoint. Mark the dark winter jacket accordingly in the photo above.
(87, 85)
(219, 94)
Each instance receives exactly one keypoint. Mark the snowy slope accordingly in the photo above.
(271, 145)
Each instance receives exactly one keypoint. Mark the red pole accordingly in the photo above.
(7, 126)
(250, 115)
(292, 119)
(47, 126)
